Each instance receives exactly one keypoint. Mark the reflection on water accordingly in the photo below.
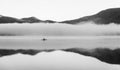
(57, 60)
(57, 42)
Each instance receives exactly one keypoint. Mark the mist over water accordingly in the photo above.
(41, 29)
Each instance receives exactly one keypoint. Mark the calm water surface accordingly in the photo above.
(57, 42)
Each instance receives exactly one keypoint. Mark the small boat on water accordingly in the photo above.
(44, 39)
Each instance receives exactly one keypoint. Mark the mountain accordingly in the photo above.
(49, 21)
(107, 16)
(31, 20)
(36, 20)
(6, 19)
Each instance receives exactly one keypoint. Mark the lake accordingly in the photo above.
(59, 42)
(58, 36)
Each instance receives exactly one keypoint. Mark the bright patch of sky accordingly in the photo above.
(55, 9)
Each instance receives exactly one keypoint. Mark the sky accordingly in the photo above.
(57, 10)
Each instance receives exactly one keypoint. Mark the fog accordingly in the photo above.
(57, 60)
(41, 29)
